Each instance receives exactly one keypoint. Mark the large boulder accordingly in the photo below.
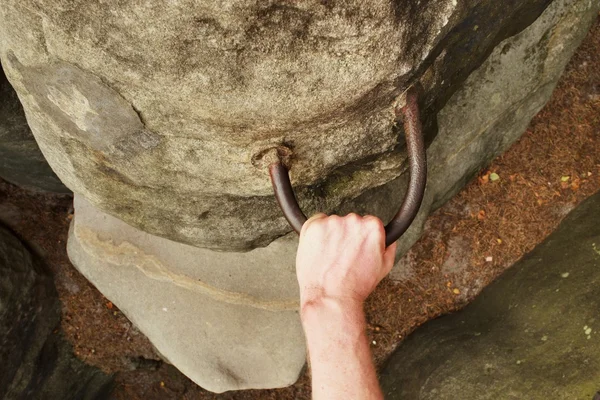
(228, 321)
(21, 161)
(533, 334)
(37, 362)
(153, 112)
(490, 110)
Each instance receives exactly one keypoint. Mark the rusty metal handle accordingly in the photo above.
(284, 193)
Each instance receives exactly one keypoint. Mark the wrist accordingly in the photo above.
(332, 311)
(318, 298)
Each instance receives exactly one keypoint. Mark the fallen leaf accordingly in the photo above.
(484, 178)
(575, 184)
(109, 305)
(481, 215)
(565, 178)
(494, 177)
(499, 241)
(456, 291)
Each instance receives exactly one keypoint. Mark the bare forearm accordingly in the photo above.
(340, 358)
(340, 261)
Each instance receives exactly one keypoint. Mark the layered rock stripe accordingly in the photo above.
(229, 321)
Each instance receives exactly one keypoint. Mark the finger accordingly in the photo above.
(378, 227)
(315, 217)
(388, 258)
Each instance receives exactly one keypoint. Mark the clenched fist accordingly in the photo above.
(342, 258)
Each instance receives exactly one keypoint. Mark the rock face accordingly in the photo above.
(21, 161)
(496, 103)
(532, 334)
(223, 333)
(155, 126)
(154, 111)
(37, 363)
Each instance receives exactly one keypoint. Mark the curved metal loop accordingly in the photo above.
(284, 193)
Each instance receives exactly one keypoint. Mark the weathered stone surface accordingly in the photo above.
(157, 123)
(36, 362)
(532, 334)
(226, 320)
(243, 304)
(493, 108)
(21, 161)
(202, 87)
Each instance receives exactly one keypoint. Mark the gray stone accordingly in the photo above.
(532, 334)
(493, 108)
(229, 321)
(152, 113)
(202, 87)
(37, 362)
(21, 161)
(244, 303)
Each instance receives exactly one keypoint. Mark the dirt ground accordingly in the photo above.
(502, 214)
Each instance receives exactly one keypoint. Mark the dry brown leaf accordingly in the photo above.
(575, 184)
(481, 215)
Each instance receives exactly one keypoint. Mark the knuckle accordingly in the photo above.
(352, 217)
(336, 223)
(312, 224)
(307, 225)
(334, 219)
(373, 223)
(374, 227)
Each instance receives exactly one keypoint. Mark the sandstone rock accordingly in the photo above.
(532, 334)
(244, 303)
(153, 111)
(37, 363)
(493, 108)
(227, 320)
(21, 161)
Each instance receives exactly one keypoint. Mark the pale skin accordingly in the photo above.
(339, 263)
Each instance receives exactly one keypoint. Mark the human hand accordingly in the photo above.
(342, 258)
